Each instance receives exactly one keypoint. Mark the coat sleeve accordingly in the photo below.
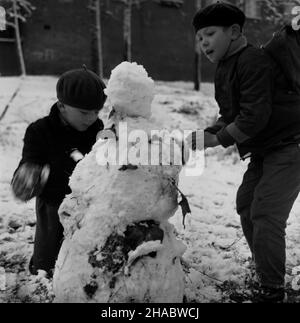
(34, 149)
(255, 100)
(33, 154)
(220, 124)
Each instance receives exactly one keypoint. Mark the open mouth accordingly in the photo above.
(209, 52)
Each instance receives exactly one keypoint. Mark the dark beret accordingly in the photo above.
(218, 14)
(81, 88)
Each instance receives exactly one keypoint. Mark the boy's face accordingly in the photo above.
(214, 42)
(79, 119)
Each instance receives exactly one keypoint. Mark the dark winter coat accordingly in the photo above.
(50, 141)
(257, 107)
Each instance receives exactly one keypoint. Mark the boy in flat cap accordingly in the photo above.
(52, 146)
(259, 112)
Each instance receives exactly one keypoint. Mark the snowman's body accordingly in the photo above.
(119, 245)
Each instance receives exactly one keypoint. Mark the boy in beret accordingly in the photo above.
(52, 147)
(259, 112)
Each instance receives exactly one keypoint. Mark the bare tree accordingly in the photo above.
(278, 11)
(198, 60)
(127, 29)
(99, 37)
(18, 10)
(95, 6)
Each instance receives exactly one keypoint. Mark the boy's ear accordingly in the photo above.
(235, 31)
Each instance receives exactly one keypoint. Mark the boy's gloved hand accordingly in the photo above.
(195, 140)
(29, 180)
(201, 139)
(210, 140)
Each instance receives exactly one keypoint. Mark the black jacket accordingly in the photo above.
(257, 108)
(49, 141)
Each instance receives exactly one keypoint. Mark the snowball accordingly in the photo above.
(130, 90)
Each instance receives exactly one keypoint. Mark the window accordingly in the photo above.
(7, 34)
(2, 19)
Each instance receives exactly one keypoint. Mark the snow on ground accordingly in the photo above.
(217, 257)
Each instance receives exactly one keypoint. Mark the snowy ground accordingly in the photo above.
(217, 256)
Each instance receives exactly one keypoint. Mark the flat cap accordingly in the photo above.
(218, 14)
(81, 88)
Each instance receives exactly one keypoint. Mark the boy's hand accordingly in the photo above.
(210, 140)
(29, 180)
(195, 140)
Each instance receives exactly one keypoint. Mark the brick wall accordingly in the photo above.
(59, 36)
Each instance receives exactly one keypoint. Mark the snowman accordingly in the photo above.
(118, 243)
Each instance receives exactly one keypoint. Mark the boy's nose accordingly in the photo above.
(205, 43)
(93, 116)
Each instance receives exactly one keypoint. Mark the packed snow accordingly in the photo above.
(116, 217)
(130, 90)
(216, 261)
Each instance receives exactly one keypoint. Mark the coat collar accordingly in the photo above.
(236, 46)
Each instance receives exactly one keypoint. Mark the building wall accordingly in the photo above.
(59, 36)
(164, 40)
(9, 64)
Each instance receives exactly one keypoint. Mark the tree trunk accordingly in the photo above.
(18, 39)
(127, 30)
(197, 74)
(99, 38)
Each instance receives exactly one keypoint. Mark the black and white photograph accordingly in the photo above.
(150, 153)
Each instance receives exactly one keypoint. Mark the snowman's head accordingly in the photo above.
(130, 90)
